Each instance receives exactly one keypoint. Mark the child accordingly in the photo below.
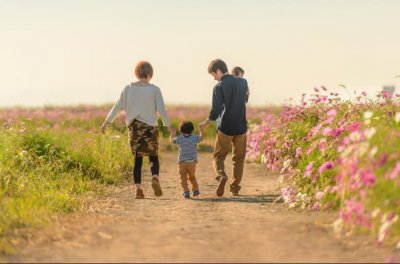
(142, 101)
(238, 72)
(187, 159)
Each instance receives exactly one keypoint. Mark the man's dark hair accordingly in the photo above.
(217, 65)
(237, 70)
(186, 127)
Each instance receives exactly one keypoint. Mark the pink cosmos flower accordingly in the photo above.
(331, 112)
(298, 152)
(316, 206)
(353, 211)
(316, 89)
(309, 169)
(309, 150)
(354, 126)
(393, 175)
(329, 120)
(386, 95)
(319, 195)
(326, 166)
(368, 178)
(327, 131)
(321, 145)
(336, 132)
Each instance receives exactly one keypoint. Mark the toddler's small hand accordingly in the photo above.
(202, 126)
(172, 130)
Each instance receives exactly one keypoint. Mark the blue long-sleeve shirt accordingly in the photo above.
(229, 100)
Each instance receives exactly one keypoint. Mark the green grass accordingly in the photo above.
(44, 171)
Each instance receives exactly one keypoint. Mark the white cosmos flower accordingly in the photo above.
(373, 151)
(368, 114)
(369, 133)
(397, 117)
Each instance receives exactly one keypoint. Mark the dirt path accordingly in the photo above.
(248, 228)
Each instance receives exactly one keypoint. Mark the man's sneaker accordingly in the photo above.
(221, 186)
(155, 183)
(186, 194)
(139, 194)
(196, 193)
(235, 191)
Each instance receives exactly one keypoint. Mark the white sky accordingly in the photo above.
(70, 52)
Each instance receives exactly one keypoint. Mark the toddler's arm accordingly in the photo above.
(172, 135)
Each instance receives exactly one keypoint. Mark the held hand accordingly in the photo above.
(172, 130)
(104, 127)
(202, 126)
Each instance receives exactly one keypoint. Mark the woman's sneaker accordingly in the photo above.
(139, 194)
(196, 193)
(186, 194)
(155, 183)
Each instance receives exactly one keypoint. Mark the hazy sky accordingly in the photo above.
(69, 52)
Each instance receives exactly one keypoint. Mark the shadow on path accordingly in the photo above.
(269, 198)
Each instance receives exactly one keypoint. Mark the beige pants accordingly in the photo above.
(187, 171)
(222, 147)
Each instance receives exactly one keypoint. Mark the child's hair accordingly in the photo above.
(186, 127)
(217, 65)
(143, 70)
(237, 70)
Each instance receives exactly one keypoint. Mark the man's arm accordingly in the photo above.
(217, 107)
(217, 103)
(201, 136)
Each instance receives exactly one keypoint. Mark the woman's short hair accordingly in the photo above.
(143, 70)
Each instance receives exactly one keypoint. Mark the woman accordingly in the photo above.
(142, 101)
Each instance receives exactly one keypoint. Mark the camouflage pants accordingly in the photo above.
(143, 139)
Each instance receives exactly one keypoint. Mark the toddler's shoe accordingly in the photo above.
(196, 193)
(186, 194)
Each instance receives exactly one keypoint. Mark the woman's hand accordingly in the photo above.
(104, 127)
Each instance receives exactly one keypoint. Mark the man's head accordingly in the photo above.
(144, 70)
(217, 69)
(237, 72)
(186, 127)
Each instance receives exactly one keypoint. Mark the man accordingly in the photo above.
(229, 99)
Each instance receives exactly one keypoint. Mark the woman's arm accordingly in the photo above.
(160, 107)
(113, 113)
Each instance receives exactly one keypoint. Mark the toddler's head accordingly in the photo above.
(186, 127)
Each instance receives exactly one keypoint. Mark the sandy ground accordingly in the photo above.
(248, 228)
